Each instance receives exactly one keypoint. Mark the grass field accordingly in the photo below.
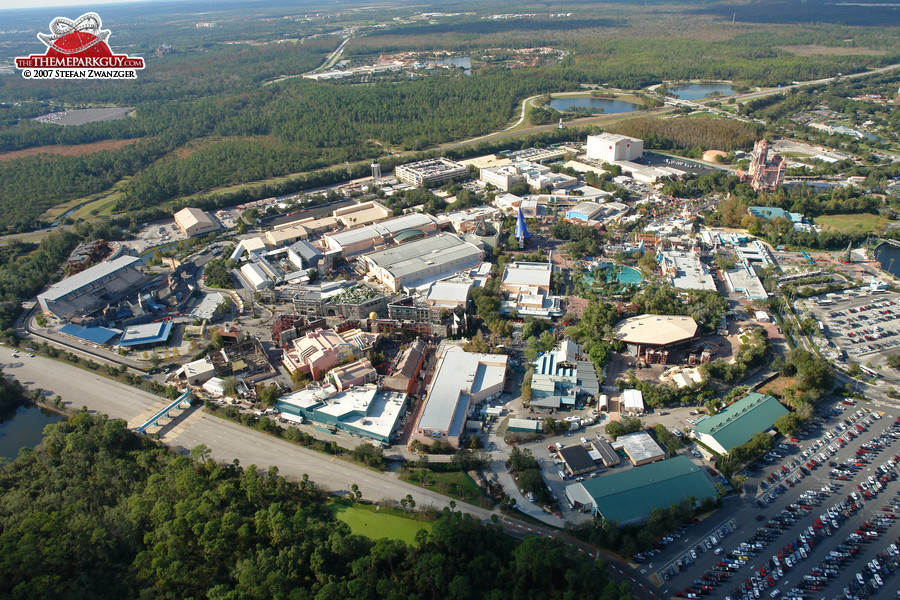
(863, 223)
(364, 520)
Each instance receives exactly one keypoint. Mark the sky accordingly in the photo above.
(86, 4)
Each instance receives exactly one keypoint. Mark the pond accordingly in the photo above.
(594, 105)
(699, 91)
(25, 428)
(463, 62)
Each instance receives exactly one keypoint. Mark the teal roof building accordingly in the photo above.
(737, 423)
(630, 496)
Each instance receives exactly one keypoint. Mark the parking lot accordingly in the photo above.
(818, 520)
(866, 327)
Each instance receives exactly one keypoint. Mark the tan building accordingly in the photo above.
(193, 221)
(655, 332)
(286, 235)
(526, 278)
(362, 214)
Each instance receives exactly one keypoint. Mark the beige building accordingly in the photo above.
(362, 214)
(193, 221)
(433, 170)
(611, 147)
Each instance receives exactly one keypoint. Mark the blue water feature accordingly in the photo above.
(604, 105)
(699, 91)
(24, 429)
(625, 275)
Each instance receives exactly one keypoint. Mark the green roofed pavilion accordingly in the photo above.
(630, 496)
(737, 423)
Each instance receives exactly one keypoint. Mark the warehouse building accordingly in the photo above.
(362, 214)
(422, 262)
(605, 453)
(630, 496)
(431, 171)
(193, 221)
(595, 213)
(461, 379)
(365, 239)
(611, 147)
(655, 332)
(562, 378)
(93, 288)
(737, 423)
(577, 460)
(526, 290)
(640, 448)
(366, 410)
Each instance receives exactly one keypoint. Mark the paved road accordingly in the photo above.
(228, 441)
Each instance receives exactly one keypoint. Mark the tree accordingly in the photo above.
(230, 386)
(268, 394)
(788, 424)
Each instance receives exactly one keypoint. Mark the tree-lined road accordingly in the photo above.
(228, 441)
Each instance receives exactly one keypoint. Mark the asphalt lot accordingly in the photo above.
(749, 516)
(866, 327)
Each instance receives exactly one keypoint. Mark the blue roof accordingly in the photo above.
(151, 333)
(94, 335)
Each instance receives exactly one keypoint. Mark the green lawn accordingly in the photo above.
(864, 222)
(455, 484)
(365, 520)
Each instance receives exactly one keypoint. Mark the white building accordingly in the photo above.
(501, 177)
(434, 170)
(610, 147)
(422, 262)
(632, 402)
(461, 379)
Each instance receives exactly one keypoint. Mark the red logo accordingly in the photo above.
(78, 50)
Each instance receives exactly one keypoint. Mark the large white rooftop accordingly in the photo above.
(89, 276)
(527, 274)
(459, 374)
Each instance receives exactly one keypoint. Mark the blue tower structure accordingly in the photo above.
(522, 232)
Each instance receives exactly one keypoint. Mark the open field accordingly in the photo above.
(74, 150)
(864, 222)
(365, 520)
(103, 202)
(777, 386)
(817, 50)
(90, 115)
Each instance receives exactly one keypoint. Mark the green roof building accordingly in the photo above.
(630, 496)
(738, 423)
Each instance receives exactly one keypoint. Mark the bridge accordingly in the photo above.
(894, 243)
(164, 413)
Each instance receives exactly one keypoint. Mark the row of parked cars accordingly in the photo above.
(868, 580)
(710, 542)
(660, 545)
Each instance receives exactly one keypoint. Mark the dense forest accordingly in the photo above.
(689, 132)
(99, 512)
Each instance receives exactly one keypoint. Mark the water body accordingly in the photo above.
(463, 62)
(599, 105)
(25, 428)
(699, 91)
(624, 275)
(888, 256)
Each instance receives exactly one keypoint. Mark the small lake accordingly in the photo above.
(25, 428)
(699, 91)
(594, 105)
(463, 62)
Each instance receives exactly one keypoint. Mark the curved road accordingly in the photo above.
(228, 441)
